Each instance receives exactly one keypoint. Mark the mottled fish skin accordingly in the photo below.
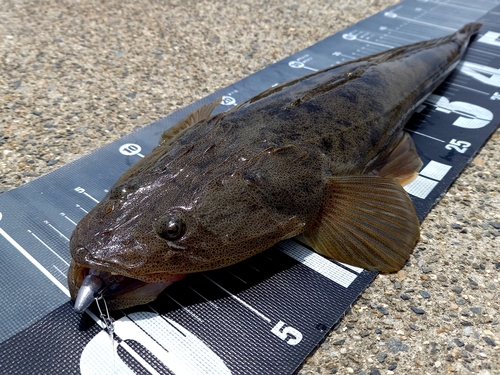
(236, 183)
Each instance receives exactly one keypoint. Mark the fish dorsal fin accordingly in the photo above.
(194, 117)
(402, 163)
(365, 221)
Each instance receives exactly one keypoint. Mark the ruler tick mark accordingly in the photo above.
(240, 300)
(48, 247)
(34, 261)
(185, 308)
(61, 272)
(57, 230)
(425, 135)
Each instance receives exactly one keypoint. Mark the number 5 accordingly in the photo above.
(294, 338)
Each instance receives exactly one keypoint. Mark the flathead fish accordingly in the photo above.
(324, 155)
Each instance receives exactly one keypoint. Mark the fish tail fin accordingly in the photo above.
(463, 34)
(470, 28)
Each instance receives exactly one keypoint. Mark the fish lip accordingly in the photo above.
(80, 272)
(119, 291)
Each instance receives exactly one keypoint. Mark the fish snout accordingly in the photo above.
(121, 251)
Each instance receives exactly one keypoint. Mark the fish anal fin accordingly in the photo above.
(365, 221)
(402, 163)
(193, 118)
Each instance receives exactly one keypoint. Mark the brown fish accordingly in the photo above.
(324, 155)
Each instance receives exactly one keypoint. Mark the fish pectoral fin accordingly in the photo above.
(365, 221)
(402, 163)
(193, 118)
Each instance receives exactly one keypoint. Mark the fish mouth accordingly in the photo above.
(119, 291)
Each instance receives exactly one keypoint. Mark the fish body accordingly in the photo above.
(324, 155)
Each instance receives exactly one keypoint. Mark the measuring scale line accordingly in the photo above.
(81, 190)
(34, 261)
(479, 54)
(44, 271)
(202, 296)
(91, 197)
(468, 88)
(468, 8)
(300, 65)
(48, 247)
(386, 46)
(425, 135)
(185, 308)
(338, 54)
(397, 40)
(67, 218)
(411, 20)
(255, 268)
(458, 79)
(351, 37)
(412, 38)
(237, 277)
(58, 231)
(61, 272)
(81, 208)
(239, 300)
(138, 358)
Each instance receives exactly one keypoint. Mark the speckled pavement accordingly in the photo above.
(75, 75)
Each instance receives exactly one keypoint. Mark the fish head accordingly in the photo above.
(150, 231)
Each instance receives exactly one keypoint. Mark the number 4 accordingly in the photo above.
(460, 146)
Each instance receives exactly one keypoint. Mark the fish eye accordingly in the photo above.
(170, 228)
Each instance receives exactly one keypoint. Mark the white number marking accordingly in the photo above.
(460, 146)
(490, 37)
(228, 100)
(174, 346)
(482, 73)
(471, 116)
(81, 190)
(288, 334)
(129, 149)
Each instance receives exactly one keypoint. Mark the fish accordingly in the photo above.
(324, 156)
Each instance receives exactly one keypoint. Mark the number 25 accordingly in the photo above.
(460, 146)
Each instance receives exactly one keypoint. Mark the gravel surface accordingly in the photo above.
(75, 75)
